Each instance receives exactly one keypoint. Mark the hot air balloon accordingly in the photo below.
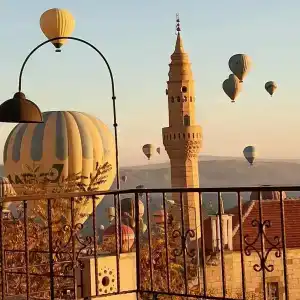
(240, 65)
(109, 238)
(158, 150)
(66, 143)
(232, 87)
(57, 22)
(148, 150)
(128, 207)
(270, 87)
(124, 178)
(249, 153)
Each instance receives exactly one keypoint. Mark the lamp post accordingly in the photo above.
(21, 110)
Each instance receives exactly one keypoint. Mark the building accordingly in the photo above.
(263, 239)
(183, 137)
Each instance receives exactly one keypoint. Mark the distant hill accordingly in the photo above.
(214, 172)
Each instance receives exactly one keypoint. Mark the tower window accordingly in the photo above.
(191, 99)
(172, 99)
(184, 89)
(186, 120)
(185, 98)
(183, 135)
(178, 99)
(193, 135)
(174, 136)
(179, 135)
(166, 91)
(189, 135)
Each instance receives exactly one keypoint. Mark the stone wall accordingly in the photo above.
(254, 279)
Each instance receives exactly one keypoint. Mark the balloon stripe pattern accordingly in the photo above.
(67, 143)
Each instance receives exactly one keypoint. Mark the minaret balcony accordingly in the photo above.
(183, 139)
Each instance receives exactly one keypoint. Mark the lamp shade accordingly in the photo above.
(20, 110)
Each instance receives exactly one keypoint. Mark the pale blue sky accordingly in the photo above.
(137, 37)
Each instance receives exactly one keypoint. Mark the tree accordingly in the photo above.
(38, 233)
(175, 262)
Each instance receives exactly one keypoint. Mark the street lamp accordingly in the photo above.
(21, 110)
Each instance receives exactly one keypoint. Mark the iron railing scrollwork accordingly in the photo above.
(184, 243)
(262, 255)
(62, 248)
(66, 248)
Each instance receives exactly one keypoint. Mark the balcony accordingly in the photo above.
(251, 251)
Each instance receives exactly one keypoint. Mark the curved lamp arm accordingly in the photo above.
(112, 87)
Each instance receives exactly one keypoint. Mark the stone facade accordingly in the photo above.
(183, 137)
(254, 280)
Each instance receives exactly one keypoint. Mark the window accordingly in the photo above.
(186, 120)
(178, 99)
(273, 291)
(167, 92)
(185, 98)
(191, 99)
(184, 89)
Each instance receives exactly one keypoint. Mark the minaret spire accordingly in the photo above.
(179, 45)
(178, 29)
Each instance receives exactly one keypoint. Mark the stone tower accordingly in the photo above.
(183, 138)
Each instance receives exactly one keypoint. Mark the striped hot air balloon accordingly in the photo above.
(66, 143)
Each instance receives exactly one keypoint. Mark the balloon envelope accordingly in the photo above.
(232, 87)
(270, 87)
(240, 65)
(57, 22)
(66, 143)
(148, 150)
(250, 154)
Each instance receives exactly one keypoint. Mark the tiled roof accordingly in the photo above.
(271, 212)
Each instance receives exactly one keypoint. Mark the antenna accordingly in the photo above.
(177, 24)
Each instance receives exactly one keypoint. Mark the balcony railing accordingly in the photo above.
(180, 244)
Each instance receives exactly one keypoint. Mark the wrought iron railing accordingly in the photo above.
(180, 248)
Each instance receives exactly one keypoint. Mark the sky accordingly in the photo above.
(137, 38)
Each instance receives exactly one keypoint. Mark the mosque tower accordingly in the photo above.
(183, 138)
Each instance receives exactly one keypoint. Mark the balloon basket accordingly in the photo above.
(57, 50)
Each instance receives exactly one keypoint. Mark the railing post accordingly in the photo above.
(50, 240)
(2, 252)
(137, 245)
(26, 250)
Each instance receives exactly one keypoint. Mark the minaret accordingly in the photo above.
(183, 138)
